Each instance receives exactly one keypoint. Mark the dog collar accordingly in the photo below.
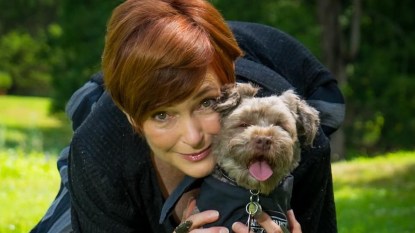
(221, 175)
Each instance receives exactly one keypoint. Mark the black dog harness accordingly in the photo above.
(218, 192)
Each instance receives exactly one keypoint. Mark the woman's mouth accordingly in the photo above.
(194, 157)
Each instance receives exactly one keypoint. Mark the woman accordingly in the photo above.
(163, 65)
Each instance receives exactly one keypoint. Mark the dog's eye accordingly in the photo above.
(282, 126)
(243, 125)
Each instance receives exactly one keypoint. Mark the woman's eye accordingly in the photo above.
(208, 103)
(160, 116)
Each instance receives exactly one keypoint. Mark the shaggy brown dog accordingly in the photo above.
(259, 141)
(256, 150)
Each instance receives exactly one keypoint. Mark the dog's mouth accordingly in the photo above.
(260, 169)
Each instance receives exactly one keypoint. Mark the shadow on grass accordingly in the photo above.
(42, 139)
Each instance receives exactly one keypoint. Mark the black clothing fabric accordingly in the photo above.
(112, 182)
(277, 62)
(219, 192)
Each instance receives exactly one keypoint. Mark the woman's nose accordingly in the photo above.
(192, 132)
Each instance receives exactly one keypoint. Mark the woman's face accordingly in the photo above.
(181, 134)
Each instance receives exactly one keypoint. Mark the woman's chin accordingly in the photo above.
(201, 171)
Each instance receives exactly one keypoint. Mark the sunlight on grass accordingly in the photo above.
(25, 124)
(28, 185)
(376, 194)
(26, 112)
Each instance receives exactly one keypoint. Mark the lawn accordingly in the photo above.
(372, 194)
(27, 125)
(28, 184)
(377, 194)
(30, 140)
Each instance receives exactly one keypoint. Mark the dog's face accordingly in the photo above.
(258, 144)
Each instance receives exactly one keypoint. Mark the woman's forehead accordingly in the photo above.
(210, 82)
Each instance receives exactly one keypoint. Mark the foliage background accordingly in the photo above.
(48, 48)
(51, 47)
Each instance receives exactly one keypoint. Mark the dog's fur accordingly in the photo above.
(255, 129)
(262, 128)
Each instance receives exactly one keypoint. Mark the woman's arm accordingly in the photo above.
(111, 183)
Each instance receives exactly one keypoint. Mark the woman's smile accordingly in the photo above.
(194, 157)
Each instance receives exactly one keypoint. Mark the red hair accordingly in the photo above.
(157, 52)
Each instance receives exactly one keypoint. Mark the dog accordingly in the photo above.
(259, 140)
(256, 150)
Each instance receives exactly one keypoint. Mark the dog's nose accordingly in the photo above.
(262, 143)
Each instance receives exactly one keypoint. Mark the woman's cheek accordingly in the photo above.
(213, 123)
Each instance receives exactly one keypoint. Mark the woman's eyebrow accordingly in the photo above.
(206, 89)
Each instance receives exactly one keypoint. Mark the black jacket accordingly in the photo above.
(112, 182)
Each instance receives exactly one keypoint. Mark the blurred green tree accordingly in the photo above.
(83, 24)
(24, 59)
(24, 45)
(381, 80)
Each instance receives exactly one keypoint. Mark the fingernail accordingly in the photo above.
(224, 230)
(236, 226)
(214, 213)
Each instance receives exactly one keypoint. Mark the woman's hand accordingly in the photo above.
(195, 221)
(270, 226)
(292, 221)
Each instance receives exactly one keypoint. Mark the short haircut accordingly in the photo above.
(157, 52)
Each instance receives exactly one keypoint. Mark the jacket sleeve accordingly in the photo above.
(104, 178)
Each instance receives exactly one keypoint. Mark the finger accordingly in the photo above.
(292, 221)
(266, 222)
(239, 227)
(203, 218)
(211, 230)
(191, 205)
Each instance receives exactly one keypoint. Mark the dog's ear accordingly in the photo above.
(231, 95)
(247, 90)
(307, 117)
(228, 99)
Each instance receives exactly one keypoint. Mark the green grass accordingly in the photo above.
(25, 124)
(30, 140)
(28, 184)
(372, 195)
(377, 194)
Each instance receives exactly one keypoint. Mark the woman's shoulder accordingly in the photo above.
(279, 58)
(260, 37)
(106, 138)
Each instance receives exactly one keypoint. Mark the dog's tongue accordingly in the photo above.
(260, 170)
